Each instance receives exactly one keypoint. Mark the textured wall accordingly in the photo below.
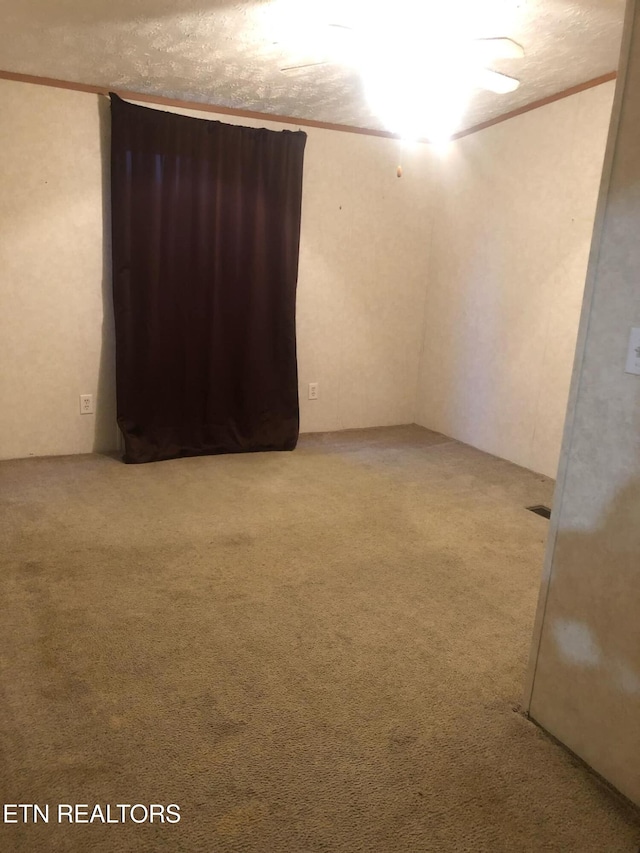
(363, 264)
(56, 327)
(363, 267)
(514, 212)
(500, 297)
(584, 684)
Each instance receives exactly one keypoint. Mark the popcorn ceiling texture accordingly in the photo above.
(215, 52)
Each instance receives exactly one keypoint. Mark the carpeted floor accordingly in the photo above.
(310, 651)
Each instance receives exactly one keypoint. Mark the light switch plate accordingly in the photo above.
(633, 354)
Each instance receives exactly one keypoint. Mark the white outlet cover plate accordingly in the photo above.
(86, 404)
(633, 354)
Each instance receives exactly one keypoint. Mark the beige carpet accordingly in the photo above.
(309, 651)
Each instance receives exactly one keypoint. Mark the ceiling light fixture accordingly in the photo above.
(418, 74)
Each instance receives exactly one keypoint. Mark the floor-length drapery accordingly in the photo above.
(206, 231)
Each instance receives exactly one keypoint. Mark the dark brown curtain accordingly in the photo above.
(206, 230)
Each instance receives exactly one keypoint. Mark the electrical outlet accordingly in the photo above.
(313, 390)
(86, 404)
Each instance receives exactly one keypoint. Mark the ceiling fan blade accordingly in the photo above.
(336, 29)
(493, 81)
(499, 48)
(330, 41)
(290, 68)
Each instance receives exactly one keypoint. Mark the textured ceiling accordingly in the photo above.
(223, 53)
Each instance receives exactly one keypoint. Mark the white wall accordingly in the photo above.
(467, 328)
(363, 263)
(56, 338)
(514, 211)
